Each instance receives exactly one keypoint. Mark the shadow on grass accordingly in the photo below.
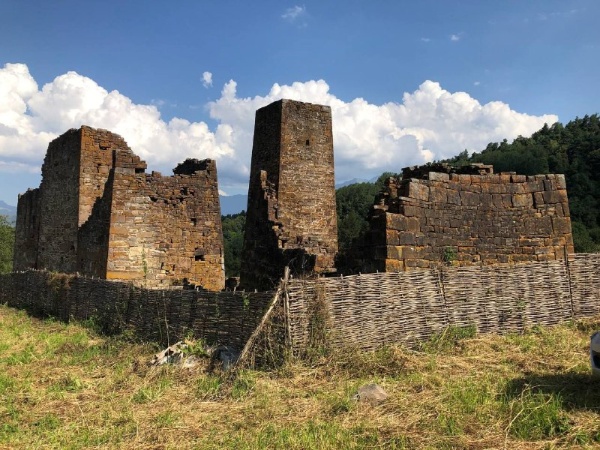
(573, 390)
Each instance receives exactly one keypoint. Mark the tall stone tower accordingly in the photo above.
(291, 217)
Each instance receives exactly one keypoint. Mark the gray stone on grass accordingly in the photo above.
(372, 394)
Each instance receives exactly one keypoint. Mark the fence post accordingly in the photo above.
(286, 309)
(443, 292)
(568, 266)
(252, 339)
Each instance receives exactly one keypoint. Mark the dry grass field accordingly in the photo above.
(64, 386)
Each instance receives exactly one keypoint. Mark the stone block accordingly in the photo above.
(561, 182)
(522, 201)
(438, 195)
(418, 190)
(438, 176)
(469, 199)
(555, 196)
(392, 237)
(561, 225)
(394, 252)
(396, 222)
(393, 265)
(407, 238)
(411, 210)
(506, 201)
(453, 197)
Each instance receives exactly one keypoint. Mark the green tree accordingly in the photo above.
(233, 240)
(7, 243)
(353, 204)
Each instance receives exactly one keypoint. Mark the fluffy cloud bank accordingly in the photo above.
(430, 123)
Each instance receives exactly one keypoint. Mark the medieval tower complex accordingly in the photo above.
(98, 213)
(291, 216)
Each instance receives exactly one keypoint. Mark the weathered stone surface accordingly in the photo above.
(372, 394)
(291, 215)
(486, 218)
(98, 213)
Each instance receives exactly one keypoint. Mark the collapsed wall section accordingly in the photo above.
(470, 218)
(181, 240)
(291, 215)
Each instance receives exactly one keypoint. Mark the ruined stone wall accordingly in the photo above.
(181, 238)
(470, 219)
(101, 151)
(291, 217)
(100, 214)
(59, 204)
(27, 230)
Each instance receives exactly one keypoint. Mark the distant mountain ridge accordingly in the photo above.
(353, 181)
(9, 211)
(235, 204)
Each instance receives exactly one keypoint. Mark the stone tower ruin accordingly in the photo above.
(291, 216)
(98, 213)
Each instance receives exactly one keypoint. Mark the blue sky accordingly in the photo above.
(407, 81)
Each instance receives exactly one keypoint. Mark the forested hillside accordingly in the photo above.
(572, 149)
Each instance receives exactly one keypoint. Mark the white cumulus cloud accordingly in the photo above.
(294, 13)
(207, 79)
(429, 123)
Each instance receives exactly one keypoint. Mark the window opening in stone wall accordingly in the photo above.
(307, 142)
(199, 255)
(194, 221)
(139, 170)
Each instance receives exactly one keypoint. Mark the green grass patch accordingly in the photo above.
(66, 386)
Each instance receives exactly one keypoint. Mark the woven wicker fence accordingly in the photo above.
(362, 311)
(163, 316)
(372, 310)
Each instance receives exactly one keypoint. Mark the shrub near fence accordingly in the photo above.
(162, 316)
(372, 310)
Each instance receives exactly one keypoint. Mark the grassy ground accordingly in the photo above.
(63, 386)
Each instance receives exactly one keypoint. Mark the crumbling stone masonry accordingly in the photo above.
(98, 213)
(437, 215)
(291, 216)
